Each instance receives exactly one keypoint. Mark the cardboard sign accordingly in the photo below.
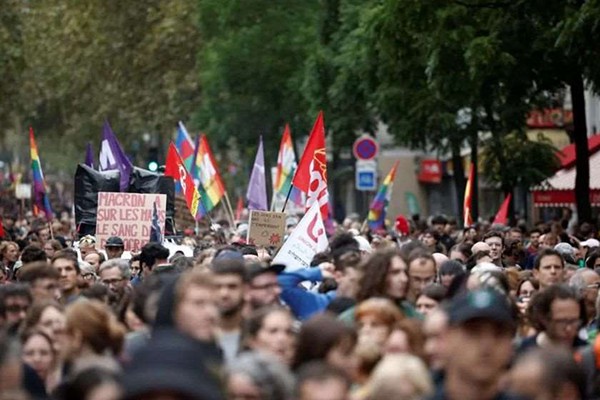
(266, 228)
(129, 216)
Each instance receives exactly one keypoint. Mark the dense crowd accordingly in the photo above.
(422, 311)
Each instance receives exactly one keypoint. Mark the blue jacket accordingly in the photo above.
(302, 302)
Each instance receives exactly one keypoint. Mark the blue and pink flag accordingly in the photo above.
(112, 156)
(378, 209)
(257, 187)
(185, 145)
(41, 202)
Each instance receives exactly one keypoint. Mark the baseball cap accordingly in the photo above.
(480, 304)
(114, 241)
(229, 254)
(567, 252)
(590, 243)
(256, 269)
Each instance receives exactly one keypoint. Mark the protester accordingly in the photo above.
(114, 247)
(65, 262)
(320, 381)
(39, 353)
(271, 330)
(259, 376)
(15, 301)
(42, 278)
(263, 286)
(430, 298)
(549, 268)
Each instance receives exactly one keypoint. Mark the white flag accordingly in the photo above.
(306, 240)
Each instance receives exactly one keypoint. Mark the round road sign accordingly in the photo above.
(365, 148)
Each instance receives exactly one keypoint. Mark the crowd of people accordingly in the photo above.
(423, 311)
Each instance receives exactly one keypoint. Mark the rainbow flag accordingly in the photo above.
(467, 217)
(286, 167)
(41, 202)
(185, 145)
(377, 211)
(210, 186)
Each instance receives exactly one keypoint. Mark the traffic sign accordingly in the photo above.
(365, 148)
(366, 175)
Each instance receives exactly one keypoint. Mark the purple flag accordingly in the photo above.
(257, 188)
(112, 156)
(89, 155)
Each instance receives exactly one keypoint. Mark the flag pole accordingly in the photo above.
(287, 198)
(229, 209)
(50, 229)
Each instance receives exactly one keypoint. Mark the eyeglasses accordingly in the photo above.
(89, 276)
(595, 286)
(109, 282)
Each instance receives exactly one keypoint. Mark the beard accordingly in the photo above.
(230, 311)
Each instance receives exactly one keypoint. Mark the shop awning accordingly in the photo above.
(559, 190)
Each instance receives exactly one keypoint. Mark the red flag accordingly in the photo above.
(311, 175)
(502, 214)
(1, 228)
(239, 209)
(175, 168)
(468, 218)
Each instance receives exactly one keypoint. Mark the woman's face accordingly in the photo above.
(52, 323)
(38, 353)
(526, 290)
(372, 330)
(397, 279)
(276, 336)
(397, 342)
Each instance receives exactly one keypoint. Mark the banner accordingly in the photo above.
(306, 240)
(266, 228)
(129, 216)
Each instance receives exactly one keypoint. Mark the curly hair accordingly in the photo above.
(373, 280)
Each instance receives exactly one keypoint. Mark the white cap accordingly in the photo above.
(590, 243)
(363, 244)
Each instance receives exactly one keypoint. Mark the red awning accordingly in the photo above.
(567, 154)
(430, 171)
(559, 190)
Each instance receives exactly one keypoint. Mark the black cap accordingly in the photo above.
(481, 304)
(256, 269)
(114, 241)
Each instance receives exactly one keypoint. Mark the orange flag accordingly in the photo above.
(468, 218)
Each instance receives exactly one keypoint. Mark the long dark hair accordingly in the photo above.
(373, 282)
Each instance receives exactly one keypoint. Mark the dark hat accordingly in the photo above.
(114, 241)
(256, 269)
(229, 254)
(175, 363)
(481, 304)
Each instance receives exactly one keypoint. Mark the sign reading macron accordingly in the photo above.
(129, 216)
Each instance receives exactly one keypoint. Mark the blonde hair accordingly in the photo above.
(392, 369)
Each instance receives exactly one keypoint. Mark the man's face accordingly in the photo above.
(68, 274)
(135, 268)
(496, 247)
(93, 259)
(564, 321)
(550, 272)
(114, 251)
(590, 292)
(12, 253)
(534, 239)
(229, 293)
(421, 273)
(113, 279)
(264, 290)
(197, 313)
(439, 228)
(397, 279)
(45, 289)
(16, 308)
(347, 282)
(428, 240)
(434, 328)
(44, 235)
(514, 235)
(85, 250)
(479, 350)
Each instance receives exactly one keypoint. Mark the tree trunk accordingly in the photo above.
(582, 157)
(459, 178)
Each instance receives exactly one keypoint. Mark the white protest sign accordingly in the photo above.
(129, 216)
(306, 240)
